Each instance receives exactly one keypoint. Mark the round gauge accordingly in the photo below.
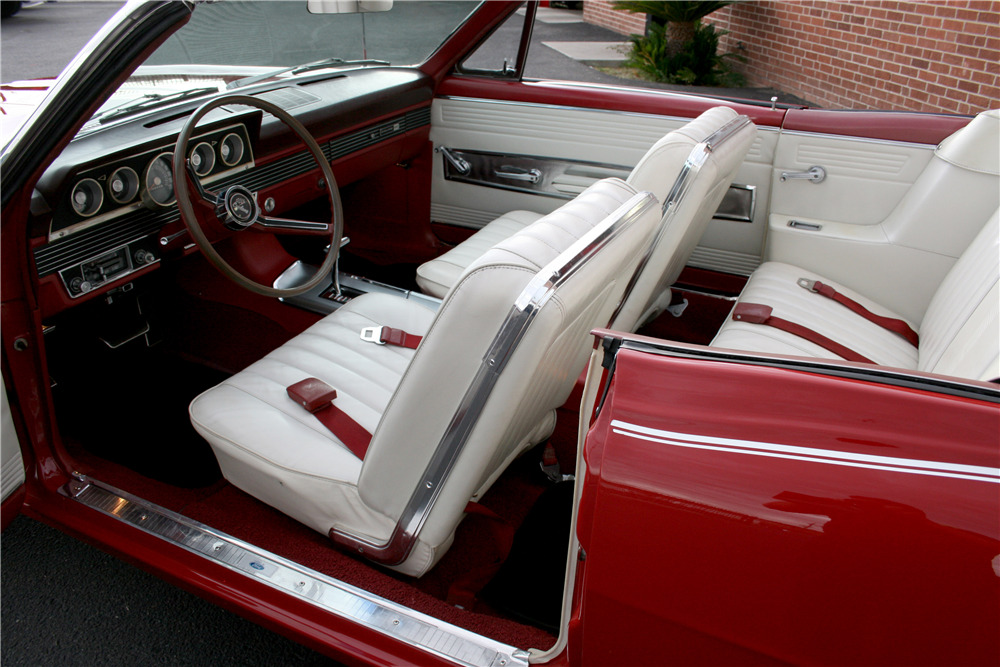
(87, 197)
(123, 185)
(159, 180)
(231, 149)
(203, 159)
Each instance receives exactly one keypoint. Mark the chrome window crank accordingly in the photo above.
(814, 175)
(461, 165)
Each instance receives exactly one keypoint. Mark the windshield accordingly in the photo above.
(226, 43)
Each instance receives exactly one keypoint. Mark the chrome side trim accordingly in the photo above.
(678, 191)
(531, 300)
(388, 618)
(810, 454)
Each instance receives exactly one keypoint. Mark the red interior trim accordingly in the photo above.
(918, 128)
(591, 96)
(728, 284)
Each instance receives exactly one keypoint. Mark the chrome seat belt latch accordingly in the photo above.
(372, 335)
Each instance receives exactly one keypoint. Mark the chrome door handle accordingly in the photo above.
(460, 164)
(814, 175)
(518, 174)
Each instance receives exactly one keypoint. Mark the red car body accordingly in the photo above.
(733, 507)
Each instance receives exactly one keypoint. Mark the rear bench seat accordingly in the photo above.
(959, 335)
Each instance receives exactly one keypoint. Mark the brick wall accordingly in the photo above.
(915, 56)
(599, 12)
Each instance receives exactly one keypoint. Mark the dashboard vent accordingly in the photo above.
(288, 98)
(104, 237)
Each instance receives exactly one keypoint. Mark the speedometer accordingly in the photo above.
(159, 181)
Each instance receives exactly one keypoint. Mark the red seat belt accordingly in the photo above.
(755, 313)
(896, 326)
(390, 336)
(316, 396)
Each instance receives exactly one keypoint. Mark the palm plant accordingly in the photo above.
(677, 48)
(679, 18)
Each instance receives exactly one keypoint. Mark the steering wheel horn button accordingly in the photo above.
(238, 208)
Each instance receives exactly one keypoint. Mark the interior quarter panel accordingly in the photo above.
(865, 179)
(813, 520)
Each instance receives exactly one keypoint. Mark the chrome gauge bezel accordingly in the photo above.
(202, 158)
(235, 141)
(95, 193)
(128, 176)
(147, 191)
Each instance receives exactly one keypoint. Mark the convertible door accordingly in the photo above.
(751, 510)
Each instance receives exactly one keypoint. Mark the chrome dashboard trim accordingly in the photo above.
(388, 618)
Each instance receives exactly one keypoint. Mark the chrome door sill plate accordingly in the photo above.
(405, 625)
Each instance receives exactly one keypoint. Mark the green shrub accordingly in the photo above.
(697, 63)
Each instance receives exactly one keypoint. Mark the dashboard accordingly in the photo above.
(105, 209)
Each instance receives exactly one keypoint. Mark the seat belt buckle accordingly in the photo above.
(807, 284)
(312, 393)
(751, 313)
(372, 335)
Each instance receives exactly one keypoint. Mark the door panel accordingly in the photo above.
(864, 180)
(588, 144)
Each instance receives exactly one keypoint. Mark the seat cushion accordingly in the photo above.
(776, 284)
(438, 275)
(250, 421)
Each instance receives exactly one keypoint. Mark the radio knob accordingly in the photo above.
(144, 257)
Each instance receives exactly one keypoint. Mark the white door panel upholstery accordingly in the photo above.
(737, 247)
(865, 179)
(586, 135)
(897, 256)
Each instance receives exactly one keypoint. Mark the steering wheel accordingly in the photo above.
(237, 209)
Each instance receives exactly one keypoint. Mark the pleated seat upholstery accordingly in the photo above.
(959, 334)
(415, 403)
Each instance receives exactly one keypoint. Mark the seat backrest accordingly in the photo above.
(503, 352)
(710, 150)
(960, 333)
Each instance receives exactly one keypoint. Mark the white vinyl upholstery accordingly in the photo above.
(655, 173)
(687, 214)
(435, 277)
(274, 450)
(959, 335)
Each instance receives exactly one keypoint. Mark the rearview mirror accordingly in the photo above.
(348, 6)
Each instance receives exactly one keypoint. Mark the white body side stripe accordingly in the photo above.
(911, 466)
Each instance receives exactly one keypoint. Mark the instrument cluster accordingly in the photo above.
(145, 180)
